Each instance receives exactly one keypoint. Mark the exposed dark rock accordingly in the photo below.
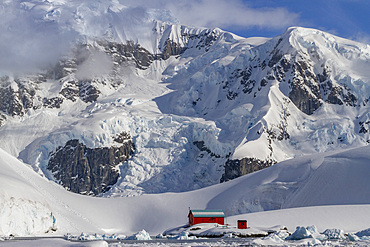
(304, 80)
(70, 90)
(122, 137)
(202, 147)
(243, 77)
(2, 119)
(237, 168)
(171, 49)
(305, 101)
(11, 102)
(334, 96)
(275, 58)
(248, 86)
(263, 82)
(17, 96)
(53, 102)
(285, 64)
(324, 76)
(130, 51)
(88, 92)
(206, 40)
(349, 98)
(231, 95)
(279, 73)
(276, 54)
(364, 125)
(85, 170)
(263, 65)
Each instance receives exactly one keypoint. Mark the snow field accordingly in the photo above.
(273, 188)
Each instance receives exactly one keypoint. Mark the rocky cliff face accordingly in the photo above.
(237, 168)
(89, 171)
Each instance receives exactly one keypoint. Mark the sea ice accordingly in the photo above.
(141, 235)
(306, 232)
(334, 234)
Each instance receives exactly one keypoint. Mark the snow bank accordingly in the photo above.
(23, 210)
(22, 217)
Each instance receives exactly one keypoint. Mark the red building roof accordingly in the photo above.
(207, 213)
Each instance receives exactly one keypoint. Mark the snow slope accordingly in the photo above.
(307, 181)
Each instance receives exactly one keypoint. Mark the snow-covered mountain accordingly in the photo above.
(138, 103)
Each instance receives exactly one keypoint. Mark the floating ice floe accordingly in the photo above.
(89, 237)
(363, 233)
(353, 237)
(141, 235)
(306, 232)
(334, 234)
(183, 236)
(215, 230)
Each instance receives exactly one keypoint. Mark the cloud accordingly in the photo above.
(26, 42)
(362, 37)
(222, 13)
(95, 65)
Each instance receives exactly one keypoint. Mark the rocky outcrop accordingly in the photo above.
(2, 119)
(203, 148)
(121, 53)
(237, 168)
(17, 95)
(171, 49)
(10, 102)
(88, 171)
(204, 40)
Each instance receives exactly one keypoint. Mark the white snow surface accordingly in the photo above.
(331, 192)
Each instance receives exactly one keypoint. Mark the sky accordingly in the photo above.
(269, 18)
(345, 18)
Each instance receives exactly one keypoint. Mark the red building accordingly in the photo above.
(242, 224)
(206, 216)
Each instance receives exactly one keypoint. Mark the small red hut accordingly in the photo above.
(197, 216)
(242, 224)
